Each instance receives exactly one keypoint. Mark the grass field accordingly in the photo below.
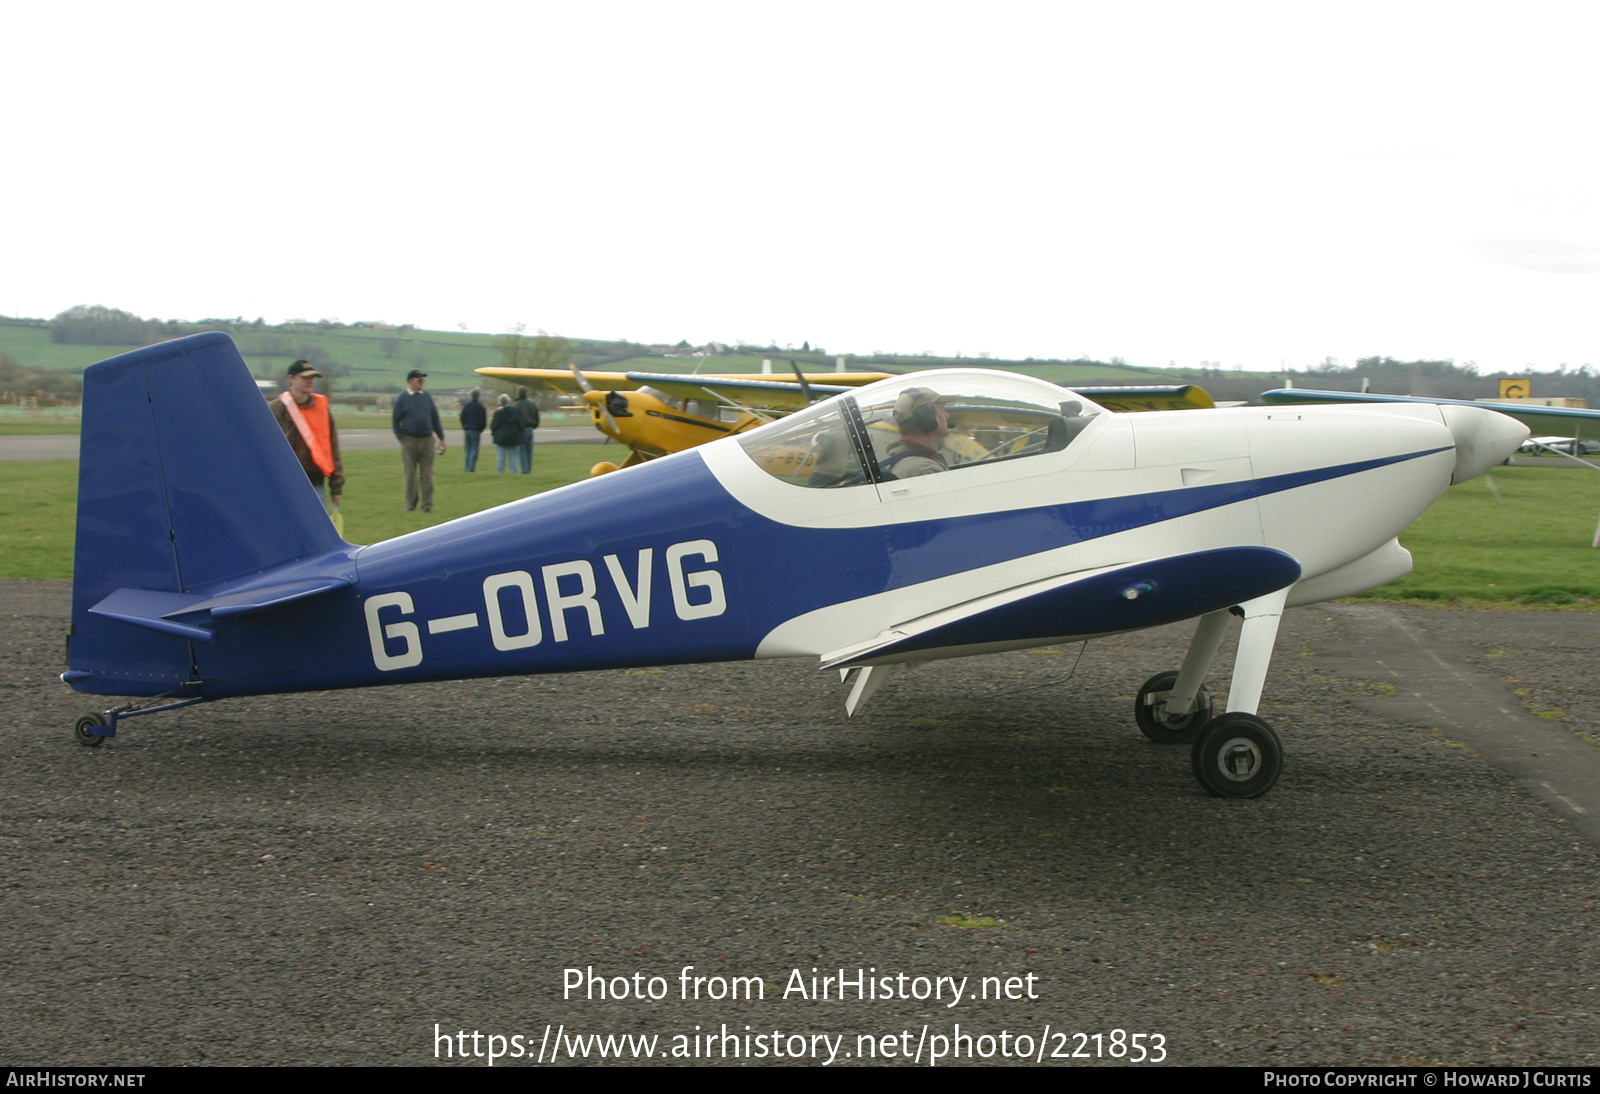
(14, 421)
(16, 425)
(21, 428)
(1515, 537)
(38, 500)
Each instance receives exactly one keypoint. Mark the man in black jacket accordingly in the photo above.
(530, 421)
(474, 419)
(506, 428)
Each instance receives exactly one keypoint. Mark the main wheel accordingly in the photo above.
(1150, 712)
(80, 730)
(1238, 756)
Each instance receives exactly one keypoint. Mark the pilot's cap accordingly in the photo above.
(913, 399)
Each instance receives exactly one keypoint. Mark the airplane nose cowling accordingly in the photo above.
(1483, 438)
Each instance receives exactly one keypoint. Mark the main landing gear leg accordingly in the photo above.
(1238, 755)
(1256, 636)
(1173, 708)
(1208, 635)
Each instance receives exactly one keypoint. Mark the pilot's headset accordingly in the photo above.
(916, 410)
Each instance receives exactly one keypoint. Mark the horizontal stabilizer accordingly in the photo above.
(188, 615)
(149, 609)
(262, 597)
(1101, 601)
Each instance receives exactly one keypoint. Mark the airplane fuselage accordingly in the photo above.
(704, 556)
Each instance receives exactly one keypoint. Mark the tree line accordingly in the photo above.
(53, 383)
(1445, 379)
(102, 326)
(96, 325)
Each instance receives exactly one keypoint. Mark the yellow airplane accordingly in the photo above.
(655, 414)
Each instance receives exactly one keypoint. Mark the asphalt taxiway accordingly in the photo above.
(328, 878)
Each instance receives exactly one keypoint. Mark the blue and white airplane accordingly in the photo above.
(934, 515)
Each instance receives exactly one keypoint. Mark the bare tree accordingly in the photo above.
(542, 350)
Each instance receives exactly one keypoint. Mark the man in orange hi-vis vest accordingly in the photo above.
(307, 423)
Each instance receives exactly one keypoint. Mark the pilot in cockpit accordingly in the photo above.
(923, 421)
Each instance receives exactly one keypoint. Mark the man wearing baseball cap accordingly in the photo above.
(416, 424)
(307, 423)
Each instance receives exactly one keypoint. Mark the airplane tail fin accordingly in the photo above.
(185, 486)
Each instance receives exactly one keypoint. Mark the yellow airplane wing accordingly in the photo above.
(1132, 400)
(563, 380)
(560, 379)
(741, 391)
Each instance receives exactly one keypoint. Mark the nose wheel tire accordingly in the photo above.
(1150, 712)
(80, 730)
(1237, 756)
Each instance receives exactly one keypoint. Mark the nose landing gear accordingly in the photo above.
(1156, 720)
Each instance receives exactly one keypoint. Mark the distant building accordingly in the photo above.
(1553, 400)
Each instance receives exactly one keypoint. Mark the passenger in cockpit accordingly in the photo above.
(923, 421)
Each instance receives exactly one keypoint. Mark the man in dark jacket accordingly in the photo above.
(416, 423)
(474, 419)
(506, 429)
(530, 421)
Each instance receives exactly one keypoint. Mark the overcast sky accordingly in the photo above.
(1248, 184)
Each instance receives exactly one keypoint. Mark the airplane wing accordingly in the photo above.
(738, 390)
(1099, 601)
(562, 380)
(1129, 400)
(775, 394)
(1571, 421)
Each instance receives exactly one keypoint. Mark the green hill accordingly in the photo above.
(369, 358)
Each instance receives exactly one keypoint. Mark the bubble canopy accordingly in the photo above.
(930, 422)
